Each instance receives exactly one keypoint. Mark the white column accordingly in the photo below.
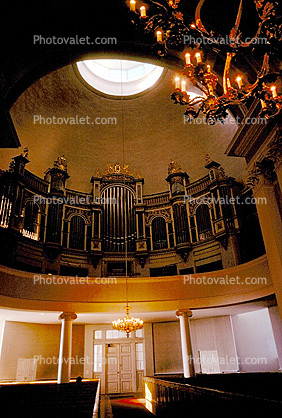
(271, 228)
(187, 355)
(64, 366)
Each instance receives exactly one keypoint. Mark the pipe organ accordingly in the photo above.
(119, 232)
(94, 231)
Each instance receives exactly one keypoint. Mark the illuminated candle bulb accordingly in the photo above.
(132, 5)
(229, 83)
(187, 58)
(183, 85)
(263, 104)
(273, 91)
(239, 81)
(198, 57)
(177, 82)
(209, 68)
(193, 26)
(143, 11)
(159, 36)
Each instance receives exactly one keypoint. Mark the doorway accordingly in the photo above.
(120, 368)
(118, 362)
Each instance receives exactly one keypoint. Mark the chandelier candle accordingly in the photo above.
(273, 91)
(159, 36)
(188, 58)
(198, 57)
(239, 81)
(132, 5)
(143, 11)
(177, 83)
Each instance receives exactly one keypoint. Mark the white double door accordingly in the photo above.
(120, 368)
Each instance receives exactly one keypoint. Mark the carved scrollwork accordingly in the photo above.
(261, 171)
(274, 152)
(71, 211)
(165, 213)
(118, 169)
(197, 201)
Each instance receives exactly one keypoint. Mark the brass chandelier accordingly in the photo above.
(127, 324)
(170, 29)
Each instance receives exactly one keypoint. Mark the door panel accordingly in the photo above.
(126, 367)
(119, 368)
(113, 379)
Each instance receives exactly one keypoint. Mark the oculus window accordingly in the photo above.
(119, 77)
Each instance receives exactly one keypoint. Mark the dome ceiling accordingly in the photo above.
(152, 128)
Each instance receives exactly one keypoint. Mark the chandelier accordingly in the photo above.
(172, 32)
(127, 324)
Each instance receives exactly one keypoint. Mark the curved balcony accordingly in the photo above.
(245, 282)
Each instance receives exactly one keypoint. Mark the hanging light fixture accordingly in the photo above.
(168, 25)
(127, 324)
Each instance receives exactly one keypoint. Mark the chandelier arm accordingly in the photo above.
(198, 19)
(159, 5)
(193, 102)
(264, 17)
(263, 71)
(226, 72)
(235, 28)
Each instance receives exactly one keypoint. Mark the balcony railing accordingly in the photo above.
(156, 199)
(36, 182)
(198, 186)
(168, 399)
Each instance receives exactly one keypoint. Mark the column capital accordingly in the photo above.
(261, 174)
(184, 312)
(274, 150)
(67, 316)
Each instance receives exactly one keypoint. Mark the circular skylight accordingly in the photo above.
(119, 77)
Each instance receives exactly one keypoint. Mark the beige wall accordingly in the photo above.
(209, 334)
(206, 334)
(255, 342)
(25, 340)
(276, 323)
(167, 347)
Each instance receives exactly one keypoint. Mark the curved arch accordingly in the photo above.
(157, 215)
(71, 215)
(203, 220)
(120, 184)
(159, 233)
(77, 232)
(31, 219)
(199, 204)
